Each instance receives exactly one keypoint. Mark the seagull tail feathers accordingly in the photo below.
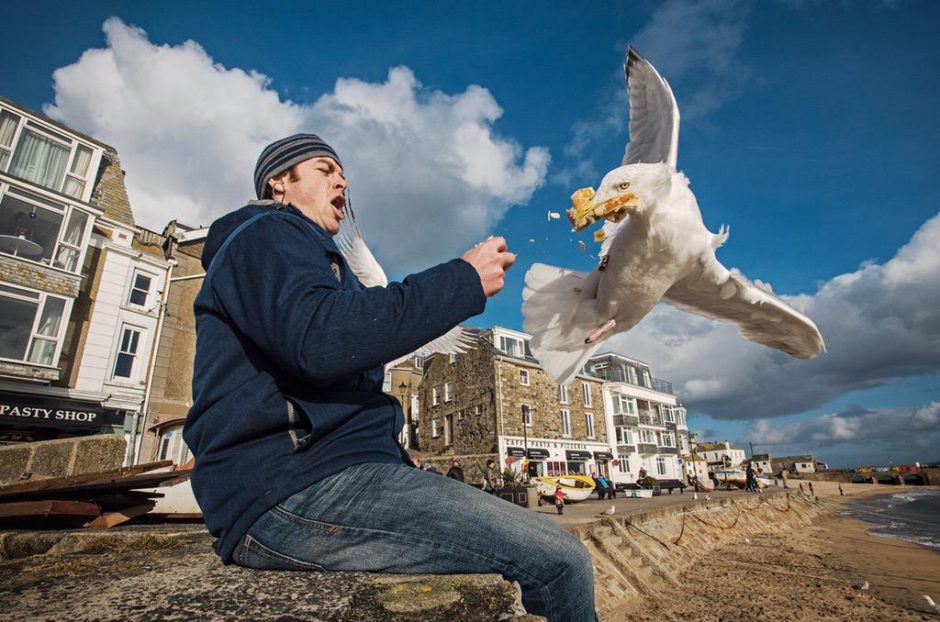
(559, 313)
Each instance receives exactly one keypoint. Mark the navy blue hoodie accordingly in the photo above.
(287, 384)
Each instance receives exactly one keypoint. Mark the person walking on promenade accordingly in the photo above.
(455, 471)
(812, 493)
(559, 500)
(489, 477)
(297, 462)
(606, 485)
(784, 476)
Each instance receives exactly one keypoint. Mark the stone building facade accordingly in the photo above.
(170, 392)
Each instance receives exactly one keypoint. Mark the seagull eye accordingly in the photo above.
(623, 185)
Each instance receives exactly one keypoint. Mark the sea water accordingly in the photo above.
(912, 515)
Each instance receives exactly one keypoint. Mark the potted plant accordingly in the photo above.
(650, 483)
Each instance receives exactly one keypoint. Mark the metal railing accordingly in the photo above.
(650, 417)
(617, 373)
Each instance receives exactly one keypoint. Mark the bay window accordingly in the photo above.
(44, 156)
(34, 228)
(31, 325)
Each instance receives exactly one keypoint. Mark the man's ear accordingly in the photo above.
(276, 185)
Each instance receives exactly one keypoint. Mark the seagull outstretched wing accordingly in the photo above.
(370, 273)
(654, 115)
(723, 294)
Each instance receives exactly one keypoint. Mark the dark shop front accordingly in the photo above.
(27, 418)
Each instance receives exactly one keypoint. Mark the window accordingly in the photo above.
(631, 374)
(448, 392)
(624, 435)
(31, 324)
(660, 465)
(140, 289)
(589, 424)
(624, 466)
(555, 468)
(586, 393)
(524, 377)
(173, 447)
(624, 405)
(527, 415)
(563, 393)
(435, 396)
(647, 437)
(452, 358)
(668, 414)
(419, 363)
(565, 422)
(435, 428)
(386, 382)
(37, 229)
(511, 346)
(43, 156)
(449, 430)
(127, 353)
(667, 440)
(647, 381)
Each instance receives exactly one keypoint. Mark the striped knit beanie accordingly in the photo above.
(285, 153)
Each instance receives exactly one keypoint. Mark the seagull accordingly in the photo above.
(364, 265)
(609, 512)
(654, 247)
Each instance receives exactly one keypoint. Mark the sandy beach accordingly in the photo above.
(812, 573)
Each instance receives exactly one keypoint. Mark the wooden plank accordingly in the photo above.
(85, 478)
(55, 507)
(144, 480)
(110, 519)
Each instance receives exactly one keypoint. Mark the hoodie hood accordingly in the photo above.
(221, 228)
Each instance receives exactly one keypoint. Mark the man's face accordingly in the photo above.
(317, 191)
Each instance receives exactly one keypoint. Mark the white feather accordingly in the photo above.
(362, 262)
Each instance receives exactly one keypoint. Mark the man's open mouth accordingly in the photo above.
(340, 204)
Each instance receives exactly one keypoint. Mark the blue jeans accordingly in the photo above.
(395, 518)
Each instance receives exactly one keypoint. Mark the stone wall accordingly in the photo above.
(39, 277)
(541, 395)
(642, 555)
(61, 458)
(472, 407)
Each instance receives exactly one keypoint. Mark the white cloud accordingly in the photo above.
(428, 175)
(905, 434)
(881, 323)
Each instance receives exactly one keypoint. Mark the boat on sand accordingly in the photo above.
(575, 487)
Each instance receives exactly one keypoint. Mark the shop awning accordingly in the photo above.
(603, 455)
(575, 455)
(539, 454)
(515, 452)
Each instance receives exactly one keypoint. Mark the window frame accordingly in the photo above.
(624, 435)
(448, 392)
(40, 300)
(435, 428)
(435, 395)
(132, 287)
(565, 422)
(523, 376)
(67, 211)
(586, 398)
(660, 466)
(563, 394)
(138, 354)
(61, 137)
(589, 428)
(526, 411)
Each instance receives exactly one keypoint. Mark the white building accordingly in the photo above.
(720, 455)
(77, 284)
(646, 425)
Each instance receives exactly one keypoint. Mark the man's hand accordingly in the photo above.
(491, 260)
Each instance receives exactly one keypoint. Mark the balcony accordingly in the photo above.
(669, 450)
(626, 420)
(626, 449)
(648, 448)
(618, 373)
(651, 417)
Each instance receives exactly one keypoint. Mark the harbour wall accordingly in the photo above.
(641, 555)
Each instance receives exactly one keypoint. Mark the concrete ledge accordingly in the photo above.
(168, 572)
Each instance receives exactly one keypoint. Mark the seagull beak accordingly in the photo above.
(584, 211)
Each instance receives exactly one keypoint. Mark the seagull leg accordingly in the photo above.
(597, 334)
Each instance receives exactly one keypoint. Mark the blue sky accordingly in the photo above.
(808, 127)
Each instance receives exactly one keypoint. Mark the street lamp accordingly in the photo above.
(525, 443)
